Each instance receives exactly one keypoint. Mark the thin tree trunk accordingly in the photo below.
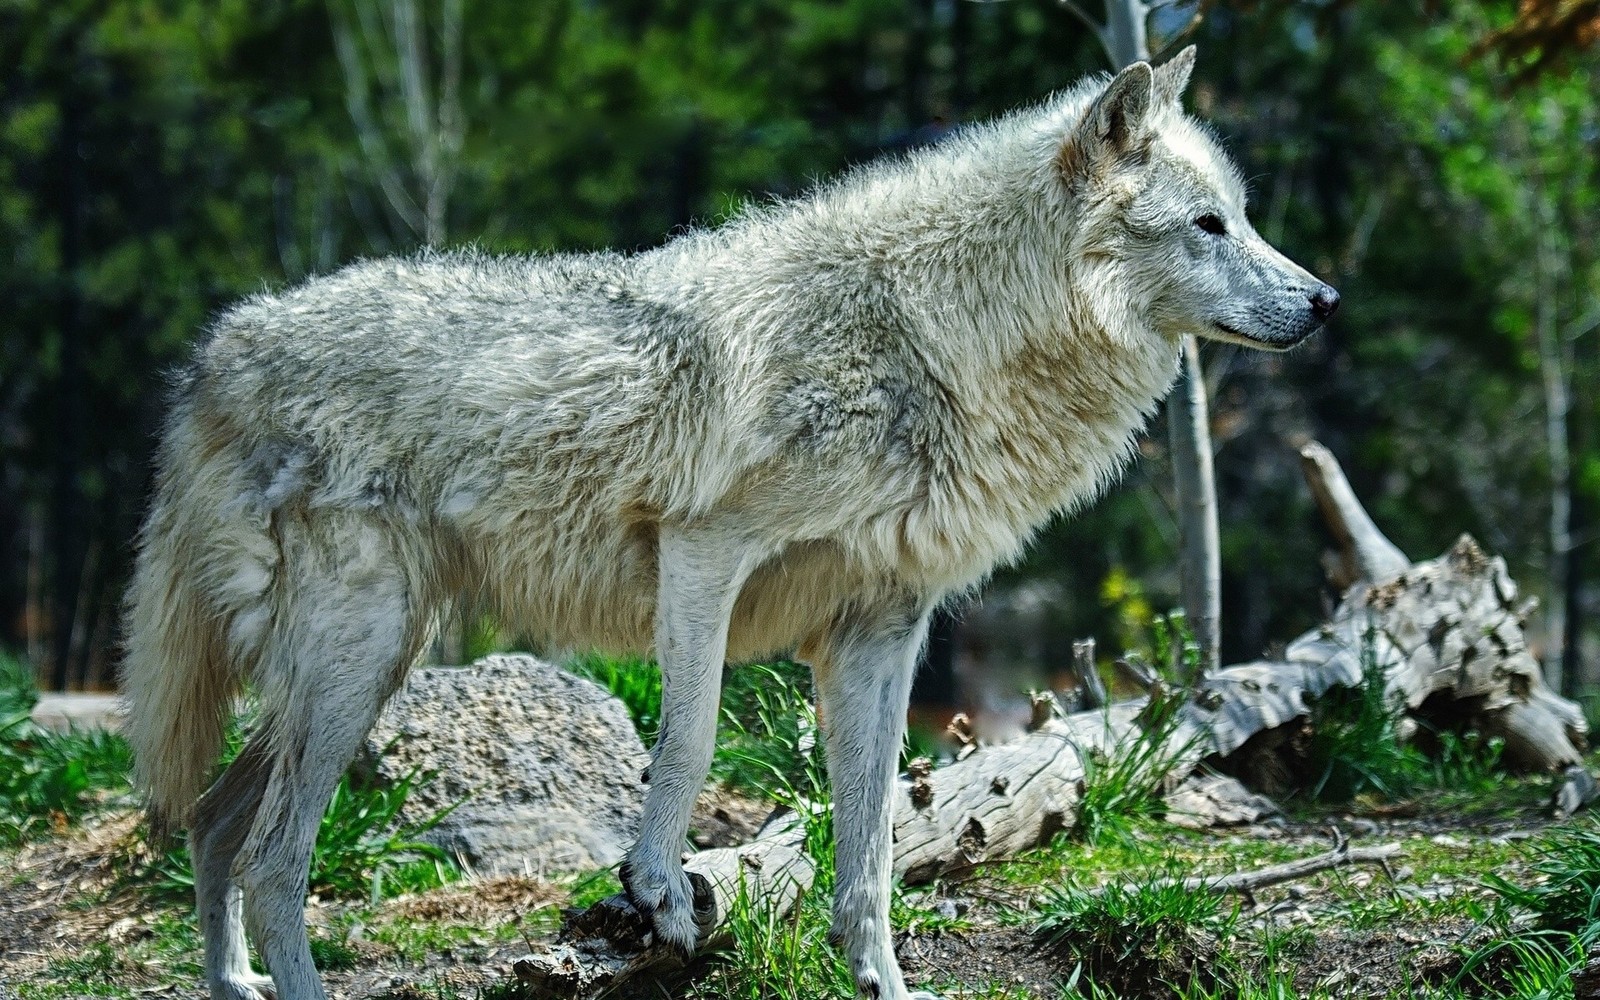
(1554, 367)
(1194, 481)
(1126, 40)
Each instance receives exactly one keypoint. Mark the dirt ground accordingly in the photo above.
(70, 925)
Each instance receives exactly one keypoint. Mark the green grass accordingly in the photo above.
(767, 739)
(1548, 921)
(363, 845)
(777, 956)
(49, 780)
(364, 848)
(758, 728)
(333, 954)
(1154, 930)
(634, 682)
(1357, 747)
(1122, 788)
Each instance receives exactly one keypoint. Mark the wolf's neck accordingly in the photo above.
(979, 257)
(1050, 367)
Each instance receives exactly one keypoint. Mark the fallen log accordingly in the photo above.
(1445, 633)
(1003, 799)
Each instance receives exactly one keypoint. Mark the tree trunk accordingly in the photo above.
(1194, 482)
(1554, 366)
(1126, 40)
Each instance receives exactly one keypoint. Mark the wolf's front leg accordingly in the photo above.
(701, 572)
(864, 679)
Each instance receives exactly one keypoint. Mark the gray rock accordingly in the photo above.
(64, 711)
(545, 765)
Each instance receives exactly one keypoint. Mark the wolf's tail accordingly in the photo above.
(195, 613)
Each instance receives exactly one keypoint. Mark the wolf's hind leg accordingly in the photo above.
(701, 572)
(864, 680)
(222, 819)
(350, 637)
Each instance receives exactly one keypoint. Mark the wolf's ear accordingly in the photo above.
(1172, 77)
(1116, 127)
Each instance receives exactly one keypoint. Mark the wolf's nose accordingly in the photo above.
(1324, 301)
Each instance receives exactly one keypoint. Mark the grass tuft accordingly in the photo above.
(1123, 789)
(1357, 747)
(1122, 935)
(364, 849)
(1548, 926)
(49, 780)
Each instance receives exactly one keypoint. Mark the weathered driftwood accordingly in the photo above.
(1288, 871)
(1364, 553)
(1087, 672)
(1576, 789)
(1202, 801)
(1446, 633)
(1003, 799)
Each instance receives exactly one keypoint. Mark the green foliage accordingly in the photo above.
(634, 682)
(777, 956)
(1549, 919)
(1356, 747)
(48, 780)
(1564, 892)
(1355, 741)
(333, 954)
(1122, 788)
(767, 736)
(363, 846)
(761, 727)
(1175, 646)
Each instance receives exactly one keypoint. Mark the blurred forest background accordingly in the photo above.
(1439, 164)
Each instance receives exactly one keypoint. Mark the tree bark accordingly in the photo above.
(1194, 482)
(1554, 369)
(1125, 36)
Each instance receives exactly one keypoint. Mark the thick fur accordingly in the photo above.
(797, 432)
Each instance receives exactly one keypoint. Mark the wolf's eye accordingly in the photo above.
(1211, 224)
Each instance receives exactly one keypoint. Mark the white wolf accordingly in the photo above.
(797, 432)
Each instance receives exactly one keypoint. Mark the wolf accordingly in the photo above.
(800, 431)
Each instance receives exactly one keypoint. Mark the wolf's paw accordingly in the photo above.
(246, 987)
(879, 979)
(872, 962)
(680, 905)
(870, 985)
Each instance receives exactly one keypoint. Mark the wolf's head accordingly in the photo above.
(1163, 208)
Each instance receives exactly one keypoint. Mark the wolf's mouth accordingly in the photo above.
(1260, 343)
